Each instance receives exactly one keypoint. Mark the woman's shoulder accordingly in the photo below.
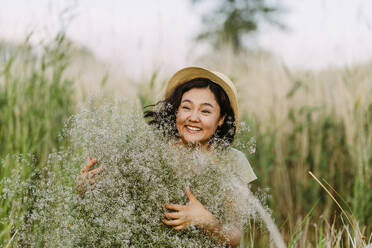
(236, 152)
(237, 156)
(241, 166)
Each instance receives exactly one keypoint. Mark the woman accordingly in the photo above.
(200, 110)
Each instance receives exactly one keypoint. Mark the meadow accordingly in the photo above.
(302, 121)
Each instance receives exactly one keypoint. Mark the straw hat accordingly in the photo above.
(189, 73)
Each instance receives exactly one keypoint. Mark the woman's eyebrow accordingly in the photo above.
(208, 104)
(187, 100)
(205, 104)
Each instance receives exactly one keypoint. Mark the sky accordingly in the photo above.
(143, 35)
(324, 33)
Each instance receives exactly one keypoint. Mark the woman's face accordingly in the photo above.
(198, 116)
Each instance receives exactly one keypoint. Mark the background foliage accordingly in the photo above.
(302, 121)
(233, 21)
(35, 100)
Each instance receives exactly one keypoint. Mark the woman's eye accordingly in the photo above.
(206, 111)
(185, 107)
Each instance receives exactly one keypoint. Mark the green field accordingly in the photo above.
(301, 120)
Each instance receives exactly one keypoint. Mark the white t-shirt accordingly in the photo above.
(241, 166)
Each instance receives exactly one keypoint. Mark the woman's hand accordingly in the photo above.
(193, 213)
(86, 177)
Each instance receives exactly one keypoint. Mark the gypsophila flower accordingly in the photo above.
(142, 171)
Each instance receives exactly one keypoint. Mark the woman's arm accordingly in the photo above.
(194, 213)
(230, 235)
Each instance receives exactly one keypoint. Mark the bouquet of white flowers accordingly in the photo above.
(142, 171)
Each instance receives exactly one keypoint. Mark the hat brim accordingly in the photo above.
(186, 74)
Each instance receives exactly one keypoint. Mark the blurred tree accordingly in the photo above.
(232, 20)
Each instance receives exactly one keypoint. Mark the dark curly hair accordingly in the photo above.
(163, 113)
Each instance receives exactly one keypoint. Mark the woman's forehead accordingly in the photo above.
(199, 96)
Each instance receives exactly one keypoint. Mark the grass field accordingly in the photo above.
(302, 121)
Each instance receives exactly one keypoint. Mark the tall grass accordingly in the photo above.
(35, 100)
(308, 121)
(302, 121)
(318, 121)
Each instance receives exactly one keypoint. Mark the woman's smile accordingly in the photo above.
(193, 129)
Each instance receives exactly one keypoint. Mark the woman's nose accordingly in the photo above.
(194, 116)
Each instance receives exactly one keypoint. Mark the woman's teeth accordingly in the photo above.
(193, 128)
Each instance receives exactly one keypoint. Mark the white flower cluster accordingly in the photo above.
(142, 171)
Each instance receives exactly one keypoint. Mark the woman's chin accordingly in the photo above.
(191, 138)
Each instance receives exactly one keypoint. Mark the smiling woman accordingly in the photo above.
(200, 112)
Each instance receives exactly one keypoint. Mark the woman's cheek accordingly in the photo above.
(209, 123)
(180, 120)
